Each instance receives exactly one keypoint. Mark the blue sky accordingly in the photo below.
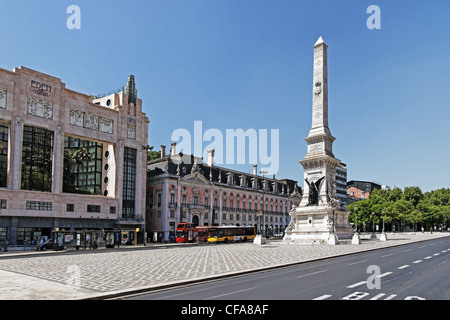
(248, 64)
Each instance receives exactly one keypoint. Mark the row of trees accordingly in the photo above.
(403, 208)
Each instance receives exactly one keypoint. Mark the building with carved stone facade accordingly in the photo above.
(181, 188)
(69, 161)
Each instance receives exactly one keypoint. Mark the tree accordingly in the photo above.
(152, 155)
(413, 195)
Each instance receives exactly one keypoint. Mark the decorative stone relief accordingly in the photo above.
(106, 125)
(91, 121)
(131, 129)
(76, 118)
(3, 95)
(40, 108)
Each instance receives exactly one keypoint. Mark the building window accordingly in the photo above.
(93, 208)
(112, 210)
(39, 205)
(3, 203)
(37, 154)
(82, 166)
(70, 207)
(4, 130)
(159, 200)
(129, 182)
(3, 234)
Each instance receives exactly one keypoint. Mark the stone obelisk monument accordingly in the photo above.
(320, 218)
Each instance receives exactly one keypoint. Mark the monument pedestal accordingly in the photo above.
(313, 225)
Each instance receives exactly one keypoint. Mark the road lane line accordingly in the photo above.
(418, 261)
(429, 257)
(310, 274)
(230, 293)
(384, 274)
(350, 264)
(357, 284)
(387, 255)
(407, 250)
(403, 267)
(436, 254)
(392, 296)
(325, 296)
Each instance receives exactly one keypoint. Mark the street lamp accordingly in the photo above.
(383, 235)
(373, 236)
(356, 239)
(264, 204)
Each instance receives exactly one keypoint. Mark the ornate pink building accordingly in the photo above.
(181, 188)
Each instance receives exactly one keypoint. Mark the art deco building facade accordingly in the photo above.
(181, 188)
(68, 161)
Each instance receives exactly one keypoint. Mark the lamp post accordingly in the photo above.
(356, 239)
(264, 204)
(383, 235)
(373, 236)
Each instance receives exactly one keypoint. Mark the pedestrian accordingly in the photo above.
(423, 230)
(5, 246)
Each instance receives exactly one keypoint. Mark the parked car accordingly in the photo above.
(49, 244)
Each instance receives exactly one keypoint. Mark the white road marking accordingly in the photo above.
(350, 264)
(356, 296)
(310, 274)
(230, 293)
(378, 296)
(403, 267)
(418, 261)
(392, 296)
(429, 257)
(387, 255)
(325, 296)
(357, 284)
(384, 274)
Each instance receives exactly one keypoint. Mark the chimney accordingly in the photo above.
(255, 170)
(173, 149)
(210, 158)
(163, 151)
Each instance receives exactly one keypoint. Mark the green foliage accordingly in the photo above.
(152, 155)
(402, 208)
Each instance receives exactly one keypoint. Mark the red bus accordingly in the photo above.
(185, 232)
(202, 233)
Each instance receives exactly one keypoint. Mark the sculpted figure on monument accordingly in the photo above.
(314, 188)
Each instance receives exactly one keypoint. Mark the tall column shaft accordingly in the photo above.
(320, 90)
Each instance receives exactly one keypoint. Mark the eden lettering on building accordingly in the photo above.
(41, 88)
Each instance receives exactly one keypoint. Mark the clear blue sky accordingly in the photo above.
(248, 64)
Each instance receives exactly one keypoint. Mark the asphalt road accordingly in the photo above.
(410, 272)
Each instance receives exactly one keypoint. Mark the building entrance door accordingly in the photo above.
(195, 220)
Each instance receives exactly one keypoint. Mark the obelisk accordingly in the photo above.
(320, 216)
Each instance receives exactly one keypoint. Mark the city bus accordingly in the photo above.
(231, 233)
(201, 233)
(185, 232)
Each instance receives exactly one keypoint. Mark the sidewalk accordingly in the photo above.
(100, 273)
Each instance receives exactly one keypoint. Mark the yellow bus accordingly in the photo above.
(230, 234)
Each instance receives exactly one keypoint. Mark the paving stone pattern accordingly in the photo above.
(119, 270)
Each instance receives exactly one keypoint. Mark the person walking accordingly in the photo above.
(5, 245)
